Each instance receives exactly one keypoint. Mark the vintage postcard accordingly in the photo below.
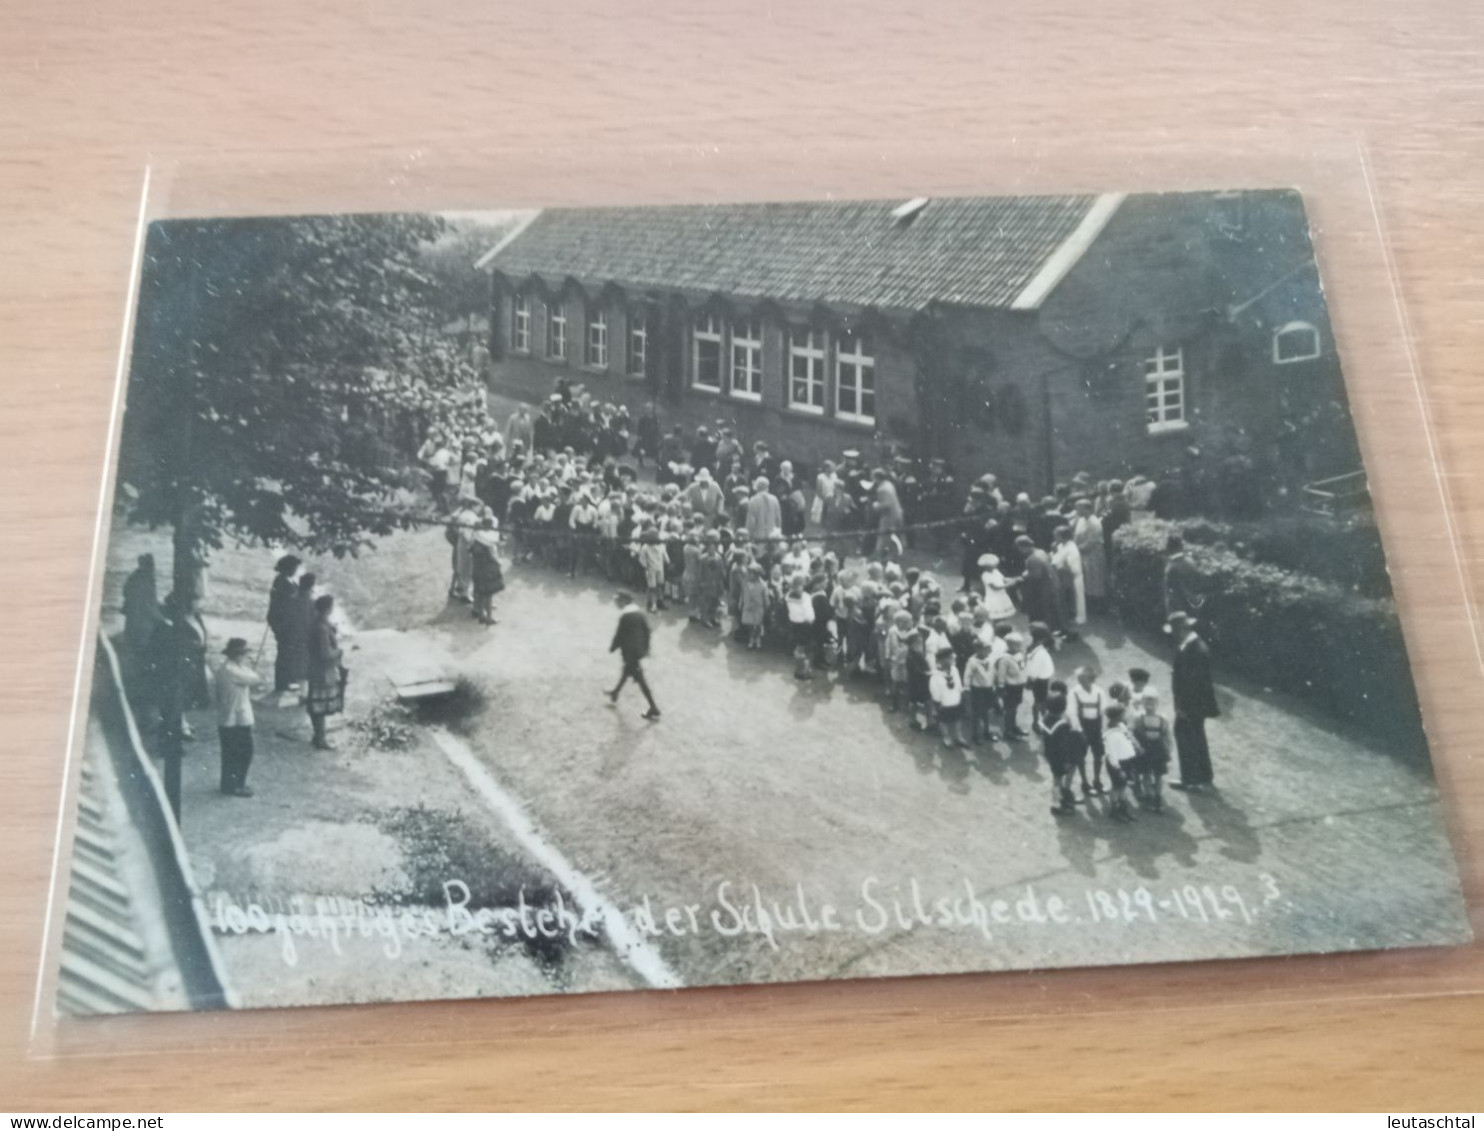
(588, 599)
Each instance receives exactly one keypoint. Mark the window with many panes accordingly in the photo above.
(855, 379)
(806, 370)
(706, 353)
(520, 324)
(638, 343)
(597, 340)
(747, 360)
(556, 331)
(1164, 389)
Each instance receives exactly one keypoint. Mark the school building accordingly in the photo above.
(1028, 336)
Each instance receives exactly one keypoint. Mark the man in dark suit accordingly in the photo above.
(631, 641)
(1195, 702)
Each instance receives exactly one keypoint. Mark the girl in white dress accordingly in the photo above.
(996, 589)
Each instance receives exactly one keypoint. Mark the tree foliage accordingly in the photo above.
(271, 373)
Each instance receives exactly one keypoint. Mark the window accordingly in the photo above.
(597, 340)
(706, 354)
(806, 370)
(556, 332)
(520, 324)
(638, 343)
(1297, 341)
(1164, 389)
(747, 360)
(855, 380)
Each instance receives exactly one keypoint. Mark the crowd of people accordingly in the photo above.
(168, 670)
(746, 541)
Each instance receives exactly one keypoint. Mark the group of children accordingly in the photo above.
(1120, 728)
(955, 665)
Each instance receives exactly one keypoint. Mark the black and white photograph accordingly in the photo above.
(536, 601)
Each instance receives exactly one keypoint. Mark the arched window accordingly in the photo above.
(1297, 341)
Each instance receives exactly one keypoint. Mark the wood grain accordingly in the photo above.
(276, 106)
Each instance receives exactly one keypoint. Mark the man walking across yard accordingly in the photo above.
(1195, 702)
(631, 642)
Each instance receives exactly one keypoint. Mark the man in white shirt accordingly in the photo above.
(235, 680)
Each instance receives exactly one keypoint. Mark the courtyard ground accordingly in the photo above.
(768, 829)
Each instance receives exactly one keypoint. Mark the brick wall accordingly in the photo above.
(806, 438)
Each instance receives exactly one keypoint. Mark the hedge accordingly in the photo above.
(1344, 550)
(1339, 650)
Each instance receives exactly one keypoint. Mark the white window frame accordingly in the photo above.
(556, 331)
(520, 324)
(1164, 373)
(597, 340)
(1295, 328)
(746, 369)
(811, 354)
(856, 357)
(707, 328)
(638, 333)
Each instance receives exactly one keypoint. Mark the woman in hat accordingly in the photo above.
(280, 613)
(235, 680)
(326, 675)
(997, 600)
(489, 579)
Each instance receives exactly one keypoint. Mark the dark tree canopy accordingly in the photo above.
(271, 378)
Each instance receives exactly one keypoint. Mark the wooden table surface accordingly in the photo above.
(266, 106)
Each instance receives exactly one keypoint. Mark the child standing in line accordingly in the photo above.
(1152, 732)
(1064, 749)
(849, 617)
(1090, 702)
(881, 626)
(690, 554)
(870, 613)
(800, 606)
(919, 676)
(897, 647)
(1009, 671)
(962, 640)
(754, 605)
(979, 679)
(1122, 754)
(707, 579)
(1040, 668)
(652, 559)
(946, 688)
(674, 541)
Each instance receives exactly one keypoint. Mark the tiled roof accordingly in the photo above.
(980, 251)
